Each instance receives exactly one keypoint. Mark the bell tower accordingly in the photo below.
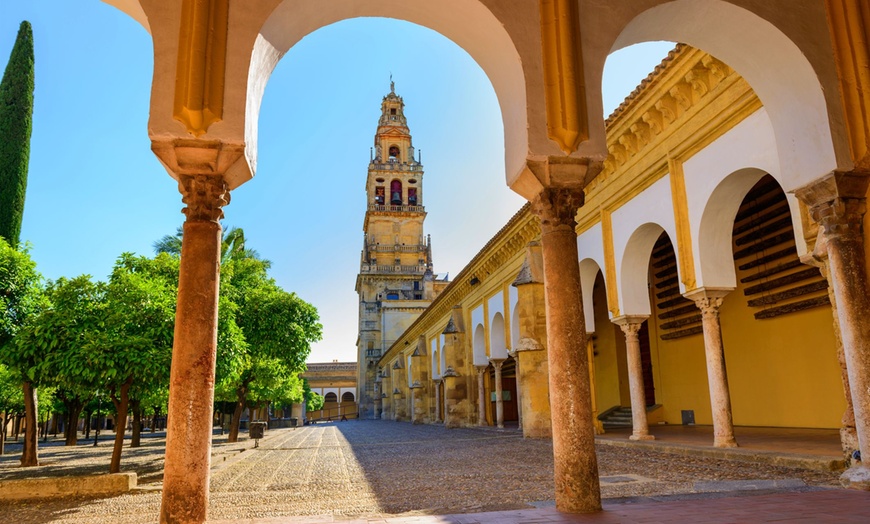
(396, 282)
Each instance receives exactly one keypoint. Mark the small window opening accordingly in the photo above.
(379, 195)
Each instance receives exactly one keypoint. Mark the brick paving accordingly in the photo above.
(382, 471)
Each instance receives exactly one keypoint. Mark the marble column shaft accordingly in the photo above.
(191, 383)
(499, 400)
(717, 376)
(481, 396)
(575, 464)
(630, 326)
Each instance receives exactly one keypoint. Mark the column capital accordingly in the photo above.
(480, 369)
(838, 202)
(708, 299)
(630, 324)
(557, 206)
(497, 362)
(205, 196)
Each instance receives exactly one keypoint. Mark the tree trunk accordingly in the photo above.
(16, 425)
(136, 408)
(154, 419)
(3, 434)
(242, 394)
(87, 424)
(71, 431)
(30, 453)
(120, 425)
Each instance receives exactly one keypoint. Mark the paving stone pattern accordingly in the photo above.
(382, 469)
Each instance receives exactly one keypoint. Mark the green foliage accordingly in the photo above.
(313, 401)
(11, 397)
(16, 123)
(21, 299)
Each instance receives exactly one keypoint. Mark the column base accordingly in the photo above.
(642, 437)
(725, 442)
(856, 477)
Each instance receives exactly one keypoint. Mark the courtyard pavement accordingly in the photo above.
(393, 472)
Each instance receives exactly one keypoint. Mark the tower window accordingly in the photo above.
(396, 193)
(393, 111)
(379, 195)
(394, 152)
(412, 196)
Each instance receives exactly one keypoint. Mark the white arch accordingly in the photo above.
(441, 353)
(514, 315)
(634, 270)
(434, 351)
(479, 346)
(589, 270)
(774, 66)
(467, 23)
(497, 347)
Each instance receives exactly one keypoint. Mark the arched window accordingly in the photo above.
(412, 196)
(330, 397)
(347, 396)
(396, 193)
(394, 153)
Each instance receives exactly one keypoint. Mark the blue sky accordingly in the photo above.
(95, 190)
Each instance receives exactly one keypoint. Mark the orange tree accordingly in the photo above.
(21, 299)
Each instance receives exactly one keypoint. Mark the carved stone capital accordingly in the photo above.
(557, 206)
(708, 300)
(630, 325)
(205, 196)
(838, 203)
(497, 363)
(480, 369)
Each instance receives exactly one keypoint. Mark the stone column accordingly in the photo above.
(838, 203)
(630, 325)
(709, 301)
(386, 397)
(437, 400)
(191, 382)
(499, 401)
(575, 463)
(481, 395)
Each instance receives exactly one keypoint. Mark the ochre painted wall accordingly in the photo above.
(781, 371)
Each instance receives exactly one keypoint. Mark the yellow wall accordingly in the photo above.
(610, 369)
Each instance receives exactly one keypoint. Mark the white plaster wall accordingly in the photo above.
(495, 304)
(717, 179)
(590, 249)
(443, 357)
(638, 223)
(513, 298)
(433, 350)
(773, 65)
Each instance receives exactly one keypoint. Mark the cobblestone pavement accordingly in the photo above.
(369, 469)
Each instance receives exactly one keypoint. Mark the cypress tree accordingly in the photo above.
(16, 123)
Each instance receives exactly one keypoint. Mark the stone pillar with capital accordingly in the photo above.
(838, 203)
(708, 301)
(499, 401)
(481, 395)
(575, 463)
(630, 325)
(199, 167)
